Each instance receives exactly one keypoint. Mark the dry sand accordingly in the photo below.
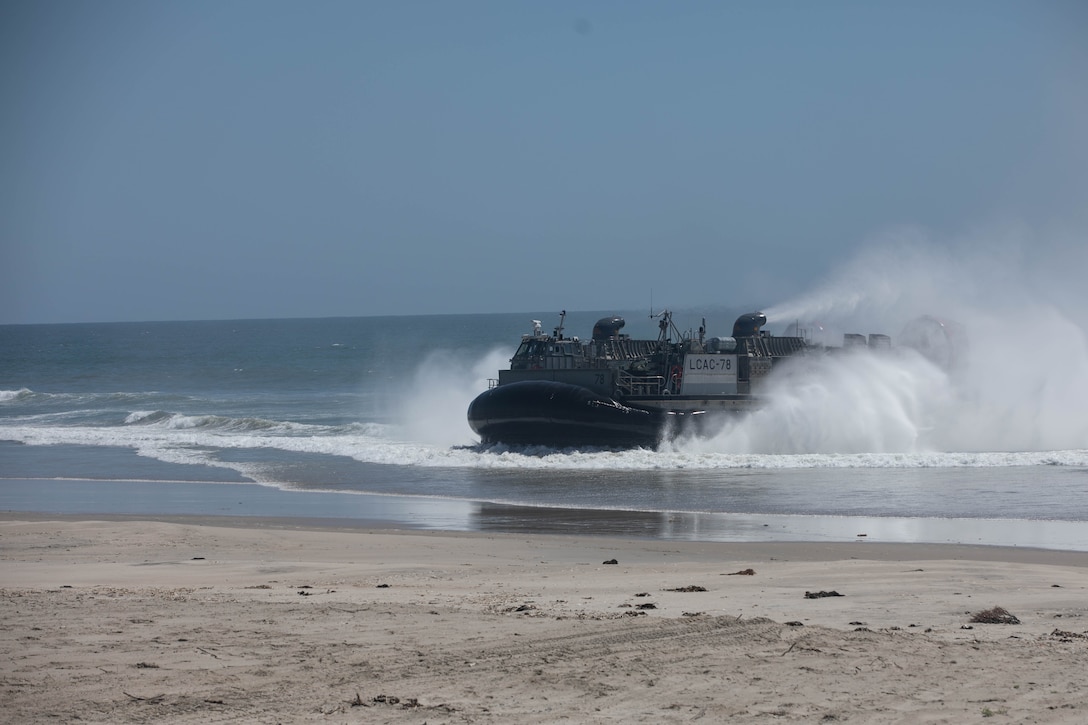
(235, 620)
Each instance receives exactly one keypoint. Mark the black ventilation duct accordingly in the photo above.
(747, 325)
(607, 328)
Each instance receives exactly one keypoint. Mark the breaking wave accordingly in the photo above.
(196, 439)
(7, 396)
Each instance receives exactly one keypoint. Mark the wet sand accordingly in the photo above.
(273, 620)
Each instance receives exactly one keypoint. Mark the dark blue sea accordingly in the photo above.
(362, 421)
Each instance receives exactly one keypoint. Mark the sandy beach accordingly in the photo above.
(242, 620)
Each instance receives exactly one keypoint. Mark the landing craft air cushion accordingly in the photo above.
(615, 391)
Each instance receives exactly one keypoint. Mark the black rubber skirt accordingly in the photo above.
(561, 415)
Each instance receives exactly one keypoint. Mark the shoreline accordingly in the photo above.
(156, 499)
(196, 618)
(863, 548)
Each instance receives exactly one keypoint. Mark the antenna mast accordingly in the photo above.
(559, 330)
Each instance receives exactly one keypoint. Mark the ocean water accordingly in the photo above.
(363, 420)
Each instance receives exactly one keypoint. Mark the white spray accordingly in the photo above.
(1022, 384)
(444, 385)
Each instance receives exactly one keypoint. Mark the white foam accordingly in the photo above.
(1022, 384)
(444, 384)
(9, 395)
(372, 444)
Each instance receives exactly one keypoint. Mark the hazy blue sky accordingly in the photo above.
(199, 159)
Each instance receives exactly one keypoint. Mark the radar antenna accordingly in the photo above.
(558, 334)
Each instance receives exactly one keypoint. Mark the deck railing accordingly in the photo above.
(640, 384)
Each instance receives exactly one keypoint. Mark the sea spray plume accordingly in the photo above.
(1024, 386)
(1023, 380)
(943, 342)
(901, 276)
(443, 386)
(853, 401)
(906, 273)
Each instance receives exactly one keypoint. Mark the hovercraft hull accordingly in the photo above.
(540, 412)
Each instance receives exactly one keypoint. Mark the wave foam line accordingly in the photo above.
(370, 443)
